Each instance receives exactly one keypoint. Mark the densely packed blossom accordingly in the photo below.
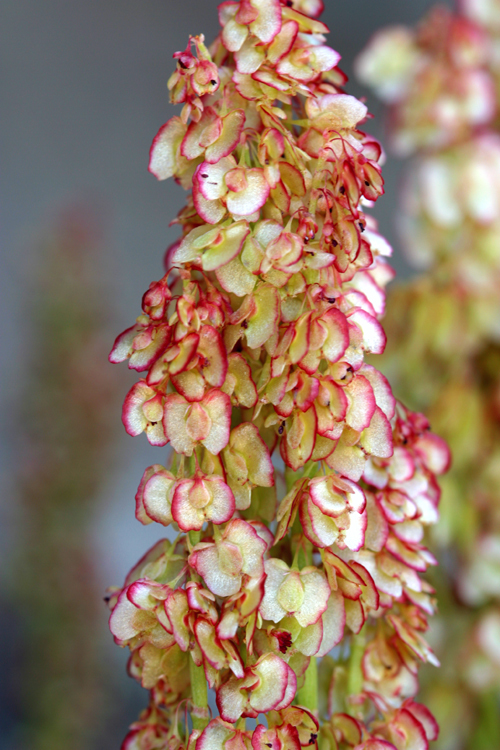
(442, 83)
(299, 489)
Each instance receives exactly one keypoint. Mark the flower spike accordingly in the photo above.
(252, 353)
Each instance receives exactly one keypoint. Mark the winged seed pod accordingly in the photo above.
(441, 81)
(298, 488)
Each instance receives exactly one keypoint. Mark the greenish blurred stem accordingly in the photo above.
(355, 673)
(307, 696)
(194, 537)
(199, 696)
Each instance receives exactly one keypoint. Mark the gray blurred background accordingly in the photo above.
(83, 92)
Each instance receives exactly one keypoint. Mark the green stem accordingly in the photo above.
(307, 696)
(199, 696)
(355, 675)
(194, 537)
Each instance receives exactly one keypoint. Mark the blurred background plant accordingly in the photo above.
(59, 697)
(441, 84)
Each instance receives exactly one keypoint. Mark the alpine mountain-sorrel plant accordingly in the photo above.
(442, 83)
(251, 348)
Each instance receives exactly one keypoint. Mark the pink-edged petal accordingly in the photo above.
(301, 15)
(333, 623)
(122, 348)
(252, 197)
(405, 554)
(191, 146)
(234, 35)
(244, 391)
(122, 617)
(362, 403)
(372, 292)
(377, 529)
(381, 390)
(324, 495)
(189, 384)
(227, 248)
(402, 467)
(140, 511)
(316, 594)
(374, 338)
(376, 439)
(270, 608)
(434, 452)
(309, 640)
(370, 595)
(337, 339)
(142, 411)
(158, 497)
(312, 8)
(218, 407)
(232, 127)
(142, 359)
(174, 419)
(133, 417)
(215, 735)
(246, 87)
(230, 701)
(373, 743)
(323, 527)
(354, 537)
(213, 652)
(163, 152)
(347, 460)
(249, 57)
(227, 10)
(384, 583)
(290, 690)
(294, 181)
(426, 719)
(282, 42)
(187, 517)
(246, 441)
(320, 59)
(356, 499)
(268, 22)
(276, 681)
(222, 506)
(297, 444)
(186, 351)
(335, 111)
(141, 594)
(251, 545)
(407, 732)
(214, 362)
(269, 78)
(192, 244)
(206, 563)
(211, 211)
(210, 178)
(262, 323)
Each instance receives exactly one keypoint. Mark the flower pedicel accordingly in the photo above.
(299, 488)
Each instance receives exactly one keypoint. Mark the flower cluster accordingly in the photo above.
(253, 346)
(444, 352)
